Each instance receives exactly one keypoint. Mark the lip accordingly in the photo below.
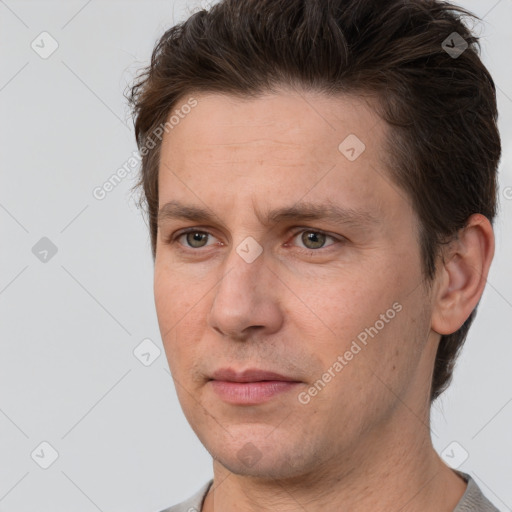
(249, 375)
(250, 387)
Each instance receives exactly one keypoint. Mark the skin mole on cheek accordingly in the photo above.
(396, 354)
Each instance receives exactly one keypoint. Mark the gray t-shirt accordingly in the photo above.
(473, 499)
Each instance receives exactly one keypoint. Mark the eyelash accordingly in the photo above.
(172, 239)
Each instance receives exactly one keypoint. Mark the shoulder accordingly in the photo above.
(192, 504)
(473, 499)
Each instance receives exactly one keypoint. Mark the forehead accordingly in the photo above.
(276, 149)
(287, 128)
(288, 117)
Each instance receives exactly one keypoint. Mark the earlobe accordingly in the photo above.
(463, 275)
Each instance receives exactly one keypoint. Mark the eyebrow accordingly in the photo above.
(303, 211)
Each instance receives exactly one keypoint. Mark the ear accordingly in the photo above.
(461, 278)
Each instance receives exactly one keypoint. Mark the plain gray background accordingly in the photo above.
(69, 325)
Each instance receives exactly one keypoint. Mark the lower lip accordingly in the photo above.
(250, 393)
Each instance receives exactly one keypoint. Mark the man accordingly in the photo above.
(320, 180)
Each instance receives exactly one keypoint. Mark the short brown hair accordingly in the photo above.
(444, 146)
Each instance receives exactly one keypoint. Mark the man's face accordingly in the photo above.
(293, 295)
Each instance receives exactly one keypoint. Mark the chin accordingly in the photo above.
(261, 456)
(270, 469)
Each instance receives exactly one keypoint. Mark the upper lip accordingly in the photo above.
(249, 375)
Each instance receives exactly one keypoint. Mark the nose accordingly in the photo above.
(246, 299)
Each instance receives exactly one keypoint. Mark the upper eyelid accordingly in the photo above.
(192, 230)
(295, 232)
(336, 238)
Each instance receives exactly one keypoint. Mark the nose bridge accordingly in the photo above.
(243, 297)
(243, 272)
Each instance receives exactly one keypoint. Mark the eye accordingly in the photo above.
(194, 239)
(312, 239)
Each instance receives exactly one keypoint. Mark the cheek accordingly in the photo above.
(173, 309)
(371, 320)
(181, 311)
(341, 306)
(166, 307)
(397, 346)
(174, 296)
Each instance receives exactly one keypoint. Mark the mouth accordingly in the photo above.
(250, 387)
(249, 375)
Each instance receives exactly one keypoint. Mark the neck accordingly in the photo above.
(394, 467)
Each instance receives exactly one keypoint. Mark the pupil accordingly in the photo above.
(197, 237)
(315, 238)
